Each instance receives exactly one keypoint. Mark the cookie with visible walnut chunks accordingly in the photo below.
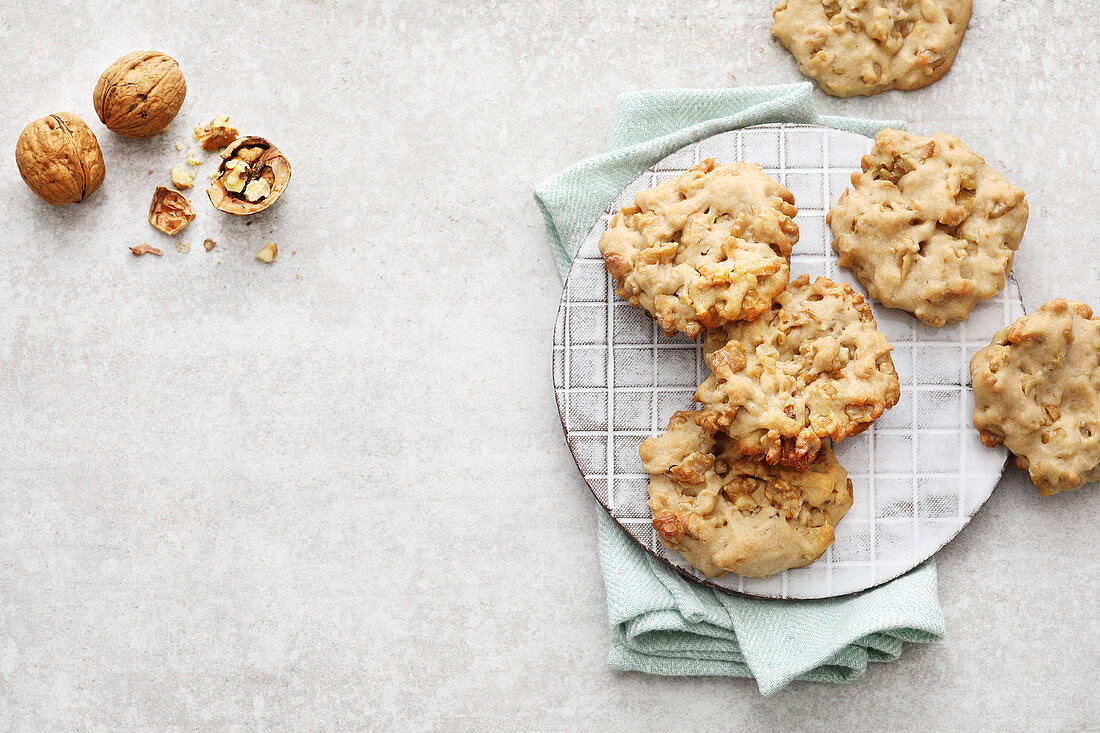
(812, 367)
(928, 226)
(865, 47)
(1037, 390)
(730, 513)
(710, 246)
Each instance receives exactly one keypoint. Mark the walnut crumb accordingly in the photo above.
(267, 254)
(183, 247)
(208, 244)
(179, 146)
(144, 248)
(181, 179)
(193, 158)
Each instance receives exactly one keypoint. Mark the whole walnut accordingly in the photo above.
(140, 94)
(59, 158)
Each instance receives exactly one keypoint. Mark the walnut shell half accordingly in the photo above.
(140, 94)
(252, 176)
(170, 211)
(59, 158)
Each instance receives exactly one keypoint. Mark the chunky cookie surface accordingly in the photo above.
(814, 366)
(1037, 390)
(855, 47)
(710, 246)
(729, 513)
(928, 226)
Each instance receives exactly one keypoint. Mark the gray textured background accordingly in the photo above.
(333, 492)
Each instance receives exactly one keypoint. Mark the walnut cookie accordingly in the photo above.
(710, 246)
(855, 47)
(1037, 390)
(928, 226)
(729, 513)
(814, 366)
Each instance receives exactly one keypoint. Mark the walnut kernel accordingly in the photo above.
(208, 244)
(216, 134)
(257, 190)
(59, 158)
(267, 254)
(170, 211)
(669, 526)
(181, 179)
(139, 94)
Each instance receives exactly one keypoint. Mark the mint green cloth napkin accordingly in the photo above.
(660, 622)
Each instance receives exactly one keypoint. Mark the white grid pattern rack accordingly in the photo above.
(919, 474)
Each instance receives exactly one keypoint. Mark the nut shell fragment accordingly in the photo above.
(252, 176)
(170, 211)
(144, 249)
(59, 159)
(139, 95)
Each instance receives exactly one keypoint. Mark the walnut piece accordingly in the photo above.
(183, 247)
(143, 248)
(193, 158)
(59, 158)
(208, 244)
(139, 95)
(181, 179)
(257, 190)
(216, 134)
(267, 254)
(669, 526)
(170, 211)
(253, 174)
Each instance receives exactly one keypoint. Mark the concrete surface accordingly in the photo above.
(333, 492)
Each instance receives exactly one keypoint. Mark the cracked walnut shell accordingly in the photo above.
(252, 176)
(139, 95)
(59, 159)
(170, 211)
